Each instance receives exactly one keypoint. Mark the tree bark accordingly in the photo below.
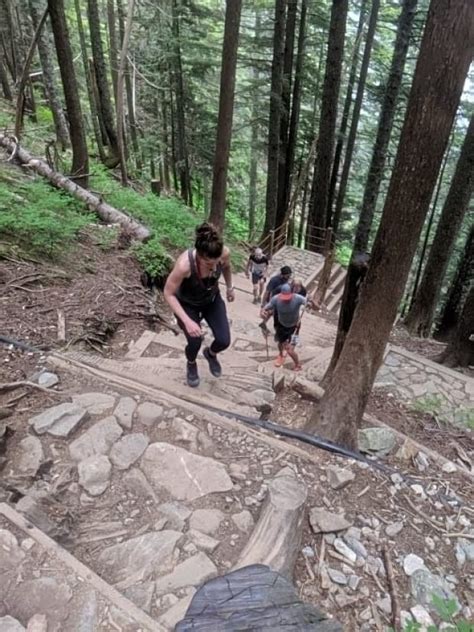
(271, 197)
(181, 145)
(120, 80)
(89, 85)
(60, 123)
(7, 93)
(441, 69)
(80, 158)
(384, 130)
(346, 110)
(318, 204)
(464, 274)
(113, 46)
(460, 350)
(8, 37)
(105, 103)
(226, 110)
(341, 194)
(282, 201)
(106, 212)
(420, 318)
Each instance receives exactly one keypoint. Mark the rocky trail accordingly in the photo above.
(123, 493)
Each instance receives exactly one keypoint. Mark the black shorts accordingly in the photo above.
(283, 334)
(257, 277)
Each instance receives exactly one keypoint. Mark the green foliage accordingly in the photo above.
(446, 609)
(105, 236)
(39, 218)
(431, 404)
(154, 259)
(343, 253)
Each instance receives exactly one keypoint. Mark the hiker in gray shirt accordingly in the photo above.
(286, 305)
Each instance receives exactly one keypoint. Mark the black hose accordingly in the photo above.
(20, 345)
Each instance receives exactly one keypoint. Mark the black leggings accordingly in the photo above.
(215, 315)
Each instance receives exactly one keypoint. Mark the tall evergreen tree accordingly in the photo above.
(441, 69)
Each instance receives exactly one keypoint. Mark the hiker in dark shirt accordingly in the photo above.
(275, 283)
(192, 292)
(257, 265)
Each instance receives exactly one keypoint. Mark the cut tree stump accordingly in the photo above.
(106, 212)
(276, 538)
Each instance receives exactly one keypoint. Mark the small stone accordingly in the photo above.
(206, 520)
(339, 478)
(95, 403)
(353, 582)
(356, 545)
(128, 449)
(394, 529)
(203, 541)
(407, 451)
(449, 467)
(342, 548)
(192, 572)
(9, 624)
(421, 461)
(425, 584)
(47, 379)
(468, 548)
(175, 515)
(421, 615)
(29, 457)
(384, 604)
(98, 439)
(149, 413)
(308, 551)
(243, 521)
(337, 577)
(124, 411)
(396, 478)
(405, 618)
(323, 521)
(376, 440)
(94, 474)
(239, 471)
(37, 623)
(430, 543)
(184, 431)
(418, 489)
(412, 563)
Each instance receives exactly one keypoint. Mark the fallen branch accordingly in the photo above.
(11, 386)
(106, 212)
(396, 616)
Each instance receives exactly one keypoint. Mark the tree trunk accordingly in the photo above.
(226, 109)
(120, 80)
(7, 93)
(60, 123)
(283, 177)
(271, 197)
(8, 36)
(89, 84)
(460, 350)
(384, 130)
(420, 317)
(318, 204)
(355, 115)
(113, 46)
(464, 274)
(182, 148)
(441, 69)
(106, 212)
(346, 110)
(80, 159)
(25, 75)
(105, 103)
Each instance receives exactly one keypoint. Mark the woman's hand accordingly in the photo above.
(193, 329)
(230, 294)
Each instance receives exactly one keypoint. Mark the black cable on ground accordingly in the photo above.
(20, 345)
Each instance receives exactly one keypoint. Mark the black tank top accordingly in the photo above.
(196, 290)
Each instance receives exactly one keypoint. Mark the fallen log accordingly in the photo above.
(307, 389)
(276, 538)
(106, 212)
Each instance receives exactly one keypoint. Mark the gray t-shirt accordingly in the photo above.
(288, 311)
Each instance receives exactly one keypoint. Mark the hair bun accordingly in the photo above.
(207, 231)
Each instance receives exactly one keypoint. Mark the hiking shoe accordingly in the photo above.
(192, 375)
(297, 367)
(214, 364)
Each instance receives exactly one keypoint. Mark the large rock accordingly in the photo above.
(243, 521)
(95, 403)
(59, 421)
(184, 475)
(94, 474)
(323, 521)
(174, 514)
(124, 411)
(45, 594)
(97, 440)
(378, 441)
(192, 572)
(9, 624)
(128, 449)
(424, 585)
(29, 457)
(206, 520)
(142, 555)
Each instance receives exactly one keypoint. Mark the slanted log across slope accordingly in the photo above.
(106, 212)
